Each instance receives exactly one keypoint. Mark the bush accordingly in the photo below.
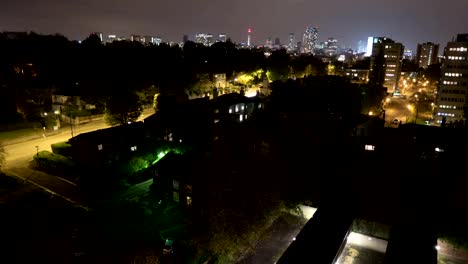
(62, 148)
(53, 163)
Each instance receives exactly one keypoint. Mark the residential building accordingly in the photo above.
(426, 54)
(453, 88)
(386, 62)
(357, 75)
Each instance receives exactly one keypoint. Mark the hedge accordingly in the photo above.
(53, 163)
(62, 148)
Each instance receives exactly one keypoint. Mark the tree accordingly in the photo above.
(2, 157)
(122, 109)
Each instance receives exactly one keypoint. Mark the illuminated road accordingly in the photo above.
(397, 108)
(18, 155)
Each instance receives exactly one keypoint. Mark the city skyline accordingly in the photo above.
(407, 22)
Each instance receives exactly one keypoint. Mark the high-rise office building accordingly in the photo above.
(111, 38)
(291, 42)
(205, 39)
(362, 46)
(268, 43)
(99, 34)
(309, 39)
(331, 47)
(135, 38)
(408, 54)
(426, 54)
(386, 61)
(277, 42)
(453, 87)
(222, 37)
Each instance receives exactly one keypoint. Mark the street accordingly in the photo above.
(18, 155)
(416, 101)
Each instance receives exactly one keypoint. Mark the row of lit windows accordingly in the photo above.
(456, 58)
(446, 114)
(450, 82)
(390, 74)
(448, 106)
(453, 74)
(448, 99)
(391, 56)
(391, 65)
(453, 91)
(459, 49)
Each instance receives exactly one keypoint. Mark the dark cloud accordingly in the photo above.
(407, 21)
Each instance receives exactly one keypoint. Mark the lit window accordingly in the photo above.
(189, 200)
(175, 196)
(134, 148)
(99, 147)
(175, 184)
(230, 110)
(369, 147)
(241, 118)
(237, 109)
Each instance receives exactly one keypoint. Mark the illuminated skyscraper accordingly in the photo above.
(331, 47)
(309, 40)
(291, 42)
(249, 32)
(453, 90)
(205, 39)
(426, 54)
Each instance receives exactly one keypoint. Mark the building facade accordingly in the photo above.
(309, 39)
(453, 87)
(291, 42)
(204, 38)
(426, 54)
(386, 62)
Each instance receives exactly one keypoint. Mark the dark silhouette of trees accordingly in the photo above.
(122, 108)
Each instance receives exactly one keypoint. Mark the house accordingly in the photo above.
(107, 146)
(173, 178)
(235, 107)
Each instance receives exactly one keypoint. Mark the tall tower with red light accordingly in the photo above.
(249, 32)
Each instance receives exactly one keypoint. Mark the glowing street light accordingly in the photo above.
(410, 107)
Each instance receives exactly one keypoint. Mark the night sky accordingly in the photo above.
(406, 21)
